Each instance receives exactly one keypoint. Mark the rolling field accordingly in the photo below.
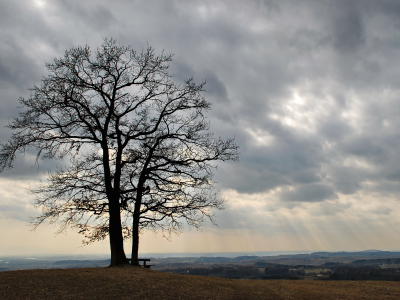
(138, 283)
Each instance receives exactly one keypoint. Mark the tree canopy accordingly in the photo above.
(139, 147)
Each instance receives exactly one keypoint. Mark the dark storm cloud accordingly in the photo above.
(309, 193)
(26, 167)
(340, 58)
(382, 210)
(347, 180)
(334, 128)
(96, 16)
(286, 161)
(348, 26)
(15, 67)
(363, 146)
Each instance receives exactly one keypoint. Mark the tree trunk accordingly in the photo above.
(135, 225)
(135, 241)
(118, 256)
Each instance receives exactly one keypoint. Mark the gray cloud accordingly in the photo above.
(95, 16)
(381, 210)
(310, 89)
(348, 27)
(309, 193)
(334, 128)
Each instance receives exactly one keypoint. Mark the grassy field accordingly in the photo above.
(138, 283)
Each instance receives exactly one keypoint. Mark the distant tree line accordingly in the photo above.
(376, 261)
(365, 273)
(243, 272)
(231, 272)
(360, 270)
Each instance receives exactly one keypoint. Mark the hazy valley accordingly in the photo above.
(365, 265)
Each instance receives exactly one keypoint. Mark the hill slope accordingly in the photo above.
(138, 283)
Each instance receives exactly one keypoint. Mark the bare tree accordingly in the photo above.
(138, 145)
(172, 174)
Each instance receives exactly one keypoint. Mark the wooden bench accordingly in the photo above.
(144, 260)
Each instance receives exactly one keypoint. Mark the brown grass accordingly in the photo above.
(138, 283)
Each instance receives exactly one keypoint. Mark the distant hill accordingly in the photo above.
(81, 263)
(139, 283)
(245, 257)
(358, 253)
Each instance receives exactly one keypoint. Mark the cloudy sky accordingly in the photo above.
(310, 89)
